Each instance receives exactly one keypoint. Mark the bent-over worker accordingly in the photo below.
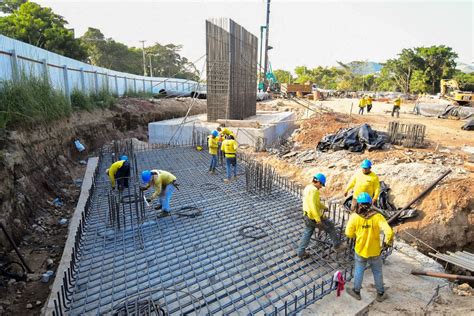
(119, 172)
(164, 184)
(365, 225)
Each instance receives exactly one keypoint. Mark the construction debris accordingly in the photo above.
(461, 259)
(355, 139)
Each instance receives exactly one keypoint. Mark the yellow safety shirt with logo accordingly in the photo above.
(366, 231)
(229, 147)
(312, 206)
(362, 103)
(362, 182)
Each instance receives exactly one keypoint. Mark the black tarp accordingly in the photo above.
(384, 206)
(462, 112)
(469, 126)
(355, 139)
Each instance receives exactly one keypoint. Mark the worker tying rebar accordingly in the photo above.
(365, 225)
(212, 143)
(314, 218)
(164, 184)
(364, 180)
(119, 172)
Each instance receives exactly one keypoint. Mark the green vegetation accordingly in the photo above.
(416, 70)
(139, 94)
(31, 23)
(31, 100)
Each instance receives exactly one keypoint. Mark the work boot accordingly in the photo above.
(226, 180)
(158, 207)
(381, 297)
(304, 255)
(163, 214)
(354, 294)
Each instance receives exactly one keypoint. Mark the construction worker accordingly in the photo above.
(164, 183)
(396, 106)
(313, 216)
(365, 225)
(119, 172)
(223, 133)
(229, 147)
(362, 104)
(213, 145)
(369, 103)
(364, 180)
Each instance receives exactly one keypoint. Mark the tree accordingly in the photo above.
(8, 6)
(283, 76)
(167, 62)
(41, 27)
(401, 69)
(466, 81)
(438, 63)
(418, 82)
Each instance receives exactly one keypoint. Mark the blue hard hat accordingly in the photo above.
(366, 164)
(215, 133)
(124, 157)
(321, 178)
(364, 197)
(146, 176)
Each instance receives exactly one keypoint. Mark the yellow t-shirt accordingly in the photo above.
(365, 183)
(312, 206)
(213, 145)
(366, 231)
(229, 147)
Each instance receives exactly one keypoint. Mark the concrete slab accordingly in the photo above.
(73, 225)
(180, 131)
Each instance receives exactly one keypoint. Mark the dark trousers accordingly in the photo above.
(397, 110)
(369, 107)
(311, 225)
(122, 176)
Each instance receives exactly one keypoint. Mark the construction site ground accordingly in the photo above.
(446, 214)
(445, 221)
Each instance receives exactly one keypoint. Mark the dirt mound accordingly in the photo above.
(314, 129)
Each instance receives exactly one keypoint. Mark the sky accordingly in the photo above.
(309, 33)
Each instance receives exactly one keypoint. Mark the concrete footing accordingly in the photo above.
(272, 125)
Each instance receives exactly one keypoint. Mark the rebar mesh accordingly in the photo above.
(223, 251)
(408, 135)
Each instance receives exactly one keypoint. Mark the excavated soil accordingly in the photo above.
(41, 164)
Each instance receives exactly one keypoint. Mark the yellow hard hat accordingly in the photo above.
(199, 148)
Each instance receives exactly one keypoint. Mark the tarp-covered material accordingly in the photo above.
(469, 126)
(384, 206)
(355, 139)
(444, 110)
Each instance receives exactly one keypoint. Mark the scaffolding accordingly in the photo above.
(226, 249)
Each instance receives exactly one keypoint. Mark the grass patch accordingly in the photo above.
(31, 100)
(139, 94)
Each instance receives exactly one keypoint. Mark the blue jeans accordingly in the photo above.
(231, 162)
(311, 225)
(165, 197)
(375, 264)
(213, 162)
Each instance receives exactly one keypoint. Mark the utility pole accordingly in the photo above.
(144, 58)
(151, 67)
(267, 29)
(260, 59)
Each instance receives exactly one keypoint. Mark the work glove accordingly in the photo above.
(113, 187)
(345, 194)
(142, 188)
(148, 200)
(176, 185)
(374, 202)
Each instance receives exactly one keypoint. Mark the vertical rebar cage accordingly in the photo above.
(231, 70)
(226, 248)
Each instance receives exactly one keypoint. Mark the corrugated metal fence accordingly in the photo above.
(66, 74)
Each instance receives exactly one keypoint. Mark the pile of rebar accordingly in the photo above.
(408, 135)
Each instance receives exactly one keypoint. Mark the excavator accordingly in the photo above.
(450, 90)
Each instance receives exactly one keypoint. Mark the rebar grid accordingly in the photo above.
(408, 135)
(203, 264)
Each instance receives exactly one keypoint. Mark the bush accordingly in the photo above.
(103, 99)
(80, 100)
(31, 100)
(138, 94)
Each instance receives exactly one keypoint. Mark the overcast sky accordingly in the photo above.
(307, 33)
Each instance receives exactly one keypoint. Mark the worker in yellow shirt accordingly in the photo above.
(362, 105)
(229, 147)
(213, 145)
(119, 172)
(369, 103)
(396, 106)
(164, 184)
(364, 181)
(365, 225)
(313, 210)
(223, 133)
